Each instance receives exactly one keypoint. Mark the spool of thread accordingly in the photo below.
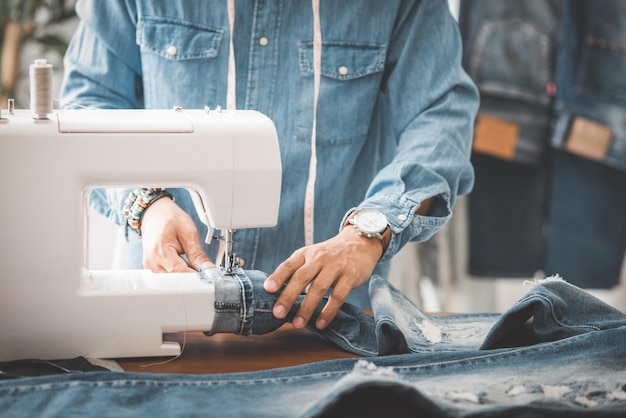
(41, 89)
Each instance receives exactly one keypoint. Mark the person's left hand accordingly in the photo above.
(342, 263)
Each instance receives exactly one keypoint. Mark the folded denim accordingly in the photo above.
(557, 352)
(398, 326)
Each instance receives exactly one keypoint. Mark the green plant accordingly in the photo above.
(25, 21)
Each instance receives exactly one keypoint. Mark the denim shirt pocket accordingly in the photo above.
(178, 40)
(351, 74)
(512, 62)
(182, 52)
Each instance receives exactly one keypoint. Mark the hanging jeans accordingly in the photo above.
(510, 52)
(555, 201)
(557, 352)
(587, 219)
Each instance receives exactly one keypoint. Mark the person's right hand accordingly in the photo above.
(167, 232)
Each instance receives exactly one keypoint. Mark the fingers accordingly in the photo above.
(284, 272)
(293, 271)
(198, 260)
(168, 232)
(169, 259)
(297, 275)
(341, 263)
(316, 291)
(335, 301)
(171, 263)
(165, 257)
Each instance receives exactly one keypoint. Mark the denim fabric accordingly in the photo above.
(397, 326)
(393, 131)
(590, 83)
(587, 222)
(556, 213)
(506, 217)
(557, 352)
(510, 51)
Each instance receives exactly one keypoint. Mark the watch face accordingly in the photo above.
(370, 221)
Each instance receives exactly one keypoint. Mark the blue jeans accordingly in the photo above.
(558, 203)
(506, 218)
(514, 87)
(587, 222)
(396, 326)
(507, 204)
(557, 352)
(589, 85)
(588, 207)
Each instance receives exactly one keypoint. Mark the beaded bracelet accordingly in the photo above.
(137, 202)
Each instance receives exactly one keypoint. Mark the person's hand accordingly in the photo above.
(167, 232)
(342, 263)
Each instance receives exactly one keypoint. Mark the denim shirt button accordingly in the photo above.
(264, 41)
(343, 70)
(172, 50)
(402, 217)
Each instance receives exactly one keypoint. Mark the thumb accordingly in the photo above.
(198, 260)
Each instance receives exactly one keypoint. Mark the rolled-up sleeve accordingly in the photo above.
(431, 104)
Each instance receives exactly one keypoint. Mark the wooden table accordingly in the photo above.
(227, 353)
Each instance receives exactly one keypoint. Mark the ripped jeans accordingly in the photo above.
(557, 352)
(398, 326)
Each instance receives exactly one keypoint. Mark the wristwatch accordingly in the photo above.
(369, 223)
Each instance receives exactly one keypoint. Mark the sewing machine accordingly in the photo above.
(51, 305)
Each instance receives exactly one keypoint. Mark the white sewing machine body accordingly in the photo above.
(51, 305)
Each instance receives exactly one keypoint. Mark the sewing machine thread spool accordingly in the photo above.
(41, 89)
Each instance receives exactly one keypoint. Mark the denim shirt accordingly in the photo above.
(395, 111)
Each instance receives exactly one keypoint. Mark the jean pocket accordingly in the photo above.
(603, 56)
(513, 59)
(177, 39)
(351, 75)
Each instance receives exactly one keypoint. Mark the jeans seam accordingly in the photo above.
(554, 316)
(553, 313)
(247, 298)
(349, 343)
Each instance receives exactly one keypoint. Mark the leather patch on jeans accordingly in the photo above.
(589, 139)
(495, 137)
